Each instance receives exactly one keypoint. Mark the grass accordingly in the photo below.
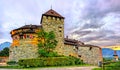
(11, 67)
(97, 69)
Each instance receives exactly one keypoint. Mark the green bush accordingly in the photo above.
(49, 61)
(12, 63)
(112, 66)
(107, 59)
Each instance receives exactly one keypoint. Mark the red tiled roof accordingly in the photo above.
(29, 26)
(53, 13)
(77, 43)
(88, 45)
(72, 42)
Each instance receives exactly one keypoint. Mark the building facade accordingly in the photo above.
(25, 41)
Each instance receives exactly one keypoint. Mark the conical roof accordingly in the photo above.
(53, 13)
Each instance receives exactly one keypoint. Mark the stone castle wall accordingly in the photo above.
(90, 55)
(69, 50)
(23, 51)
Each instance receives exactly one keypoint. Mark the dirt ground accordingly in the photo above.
(58, 68)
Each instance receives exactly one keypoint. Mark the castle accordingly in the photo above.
(25, 41)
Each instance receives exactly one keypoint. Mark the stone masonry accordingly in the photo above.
(90, 54)
(23, 51)
(52, 21)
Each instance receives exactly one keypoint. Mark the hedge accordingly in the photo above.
(12, 63)
(49, 61)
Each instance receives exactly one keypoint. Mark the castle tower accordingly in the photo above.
(52, 21)
(24, 44)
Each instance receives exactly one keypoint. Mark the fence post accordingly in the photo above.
(103, 67)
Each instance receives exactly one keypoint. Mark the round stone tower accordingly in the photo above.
(24, 42)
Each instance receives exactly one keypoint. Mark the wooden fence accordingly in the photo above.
(107, 64)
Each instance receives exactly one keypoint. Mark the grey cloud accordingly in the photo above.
(93, 25)
(105, 43)
(97, 36)
(91, 38)
(112, 38)
(82, 33)
(95, 11)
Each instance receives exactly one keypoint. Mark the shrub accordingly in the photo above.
(112, 66)
(49, 61)
(12, 63)
(107, 59)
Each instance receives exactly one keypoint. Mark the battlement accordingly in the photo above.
(52, 15)
(53, 18)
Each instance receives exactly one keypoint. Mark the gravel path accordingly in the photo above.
(58, 68)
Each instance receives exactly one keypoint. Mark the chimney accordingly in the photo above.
(67, 37)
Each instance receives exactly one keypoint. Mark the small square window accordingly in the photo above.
(28, 36)
(60, 27)
(90, 48)
(60, 31)
(79, 55)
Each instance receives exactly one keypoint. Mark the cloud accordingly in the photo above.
(82, 33)
(92, 25)
(101, 19)
(5, 40)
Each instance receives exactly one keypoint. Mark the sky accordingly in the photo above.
(95, 22)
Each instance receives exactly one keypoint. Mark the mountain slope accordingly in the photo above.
(5, 44)
(109, 52)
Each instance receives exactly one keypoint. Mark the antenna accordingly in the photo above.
(51, 6)
(25, 23)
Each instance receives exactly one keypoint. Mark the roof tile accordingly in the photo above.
(53, 13)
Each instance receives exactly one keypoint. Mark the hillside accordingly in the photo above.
(109, 52)
(5, 44)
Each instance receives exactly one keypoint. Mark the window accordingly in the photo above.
(28, 36)
(60, 31)
(59, 27)
(31, 29)
(79, 55)
(52, 12)
(21, 36)
(90, 48)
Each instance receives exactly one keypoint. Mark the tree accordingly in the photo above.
(47, 43)
(4, 52)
